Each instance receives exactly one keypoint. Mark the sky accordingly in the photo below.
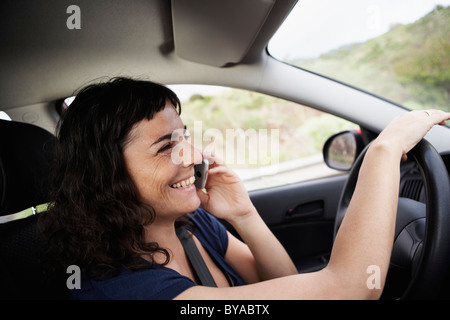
(318, 26)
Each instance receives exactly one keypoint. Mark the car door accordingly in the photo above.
(301, 216)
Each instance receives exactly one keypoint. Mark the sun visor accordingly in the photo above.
(217, 32)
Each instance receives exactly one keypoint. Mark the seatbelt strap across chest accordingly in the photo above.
(195, 258)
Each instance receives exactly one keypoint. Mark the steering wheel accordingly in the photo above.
(422, 235)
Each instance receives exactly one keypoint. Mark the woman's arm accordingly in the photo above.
(260, 256)
(267, 256)
(366, 234)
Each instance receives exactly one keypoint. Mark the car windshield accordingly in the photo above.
(398, 50)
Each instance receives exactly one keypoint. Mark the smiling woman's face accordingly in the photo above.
(149, 161)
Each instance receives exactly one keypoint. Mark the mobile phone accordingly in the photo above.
(201, 173)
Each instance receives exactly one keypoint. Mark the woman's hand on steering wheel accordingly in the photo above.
(406, 130)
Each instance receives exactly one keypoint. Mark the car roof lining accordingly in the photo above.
(46, 60)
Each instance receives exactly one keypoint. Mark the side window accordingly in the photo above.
(267, 141)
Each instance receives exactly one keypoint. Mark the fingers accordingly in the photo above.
(437, 116)
(217, 165)
(204, 197)
(219, 174)
(414, 125)
(406, 130)
(224, 174)
(218, 169)
(214, 161)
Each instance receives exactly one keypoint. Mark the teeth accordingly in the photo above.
(185, 183)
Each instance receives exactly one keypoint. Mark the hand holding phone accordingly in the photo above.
(201, 173)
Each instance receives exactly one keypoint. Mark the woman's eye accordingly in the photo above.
(165, 147)
(181, 136)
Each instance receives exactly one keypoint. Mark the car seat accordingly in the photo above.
(26, 152)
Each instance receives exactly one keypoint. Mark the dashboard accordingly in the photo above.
(411, 182)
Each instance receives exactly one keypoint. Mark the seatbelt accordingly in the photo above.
(195, 258)
(24, 213)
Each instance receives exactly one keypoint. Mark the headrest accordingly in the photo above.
(26, 153)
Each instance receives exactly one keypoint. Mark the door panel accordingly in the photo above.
(302, 216)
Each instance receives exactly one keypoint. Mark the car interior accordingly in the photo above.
(208, 42)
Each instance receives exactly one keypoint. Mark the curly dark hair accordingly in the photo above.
(95, 219)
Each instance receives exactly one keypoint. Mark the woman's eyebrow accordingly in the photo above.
(165, 137)
(162, 138)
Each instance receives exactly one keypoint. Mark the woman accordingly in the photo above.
(119, 197)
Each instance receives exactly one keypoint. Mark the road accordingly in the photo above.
(285, 173)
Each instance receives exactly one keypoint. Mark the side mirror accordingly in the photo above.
(341, 150)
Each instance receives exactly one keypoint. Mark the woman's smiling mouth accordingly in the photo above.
(184, 183)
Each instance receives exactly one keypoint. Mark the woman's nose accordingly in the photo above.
(186, 154)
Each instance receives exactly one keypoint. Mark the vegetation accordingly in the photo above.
(410, 63)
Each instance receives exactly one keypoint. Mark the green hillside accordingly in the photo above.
(409, 65)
